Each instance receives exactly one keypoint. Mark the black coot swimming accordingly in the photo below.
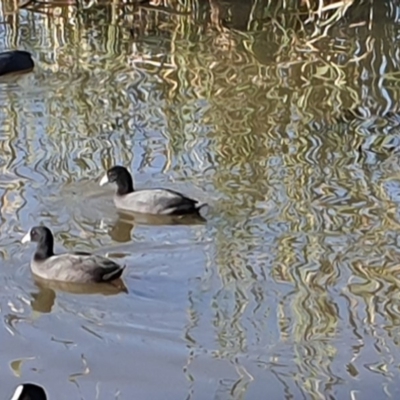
(78, 267)
(147, 201)
(15, 62)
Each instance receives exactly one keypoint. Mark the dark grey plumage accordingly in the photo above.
(76, 267)
(147, 201)
(15, 61)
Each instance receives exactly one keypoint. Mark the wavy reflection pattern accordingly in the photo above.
(292, 288)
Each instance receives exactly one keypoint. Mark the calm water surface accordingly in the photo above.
(289, 291)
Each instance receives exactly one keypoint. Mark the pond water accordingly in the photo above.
(290, 290)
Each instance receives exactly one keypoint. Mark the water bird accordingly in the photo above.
(15, 61)
(78, 267)
(148, 201)
(29, 391)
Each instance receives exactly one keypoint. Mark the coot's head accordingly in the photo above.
(29, 391)
(121, 176)
(38, 234)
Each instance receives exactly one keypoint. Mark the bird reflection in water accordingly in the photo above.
(43, 301)
(121, 230)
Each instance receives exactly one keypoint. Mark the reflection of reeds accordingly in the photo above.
(252, 102)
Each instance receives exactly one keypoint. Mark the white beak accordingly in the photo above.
(104, 180)
(18, 392)
(26, 238)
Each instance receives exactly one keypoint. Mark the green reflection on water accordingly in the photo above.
(291, 289)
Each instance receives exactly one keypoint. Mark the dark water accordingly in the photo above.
(291, 289)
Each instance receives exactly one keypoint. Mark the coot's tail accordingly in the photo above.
(15, 61)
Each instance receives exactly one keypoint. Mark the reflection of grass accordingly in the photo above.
(253, 99)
